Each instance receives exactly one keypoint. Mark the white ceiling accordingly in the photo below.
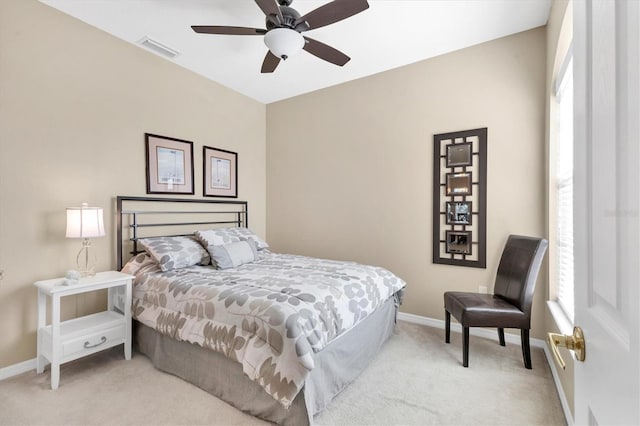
(390, 34)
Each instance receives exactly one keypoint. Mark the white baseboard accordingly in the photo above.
(510, 338)
(15, 369)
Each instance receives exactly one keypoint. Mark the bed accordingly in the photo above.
(275, 335)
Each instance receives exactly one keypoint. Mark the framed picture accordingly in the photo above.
(458, 183)
(459, 154)
(220, 173)
(459, 213)
(169, 165)
(458, 242)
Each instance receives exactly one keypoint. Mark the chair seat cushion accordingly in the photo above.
(484, 310)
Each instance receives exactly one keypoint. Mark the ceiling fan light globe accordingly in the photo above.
(284, 42)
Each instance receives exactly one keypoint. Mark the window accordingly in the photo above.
(564, 188)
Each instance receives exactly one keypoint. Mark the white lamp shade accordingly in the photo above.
(284, 42)
(85, 222)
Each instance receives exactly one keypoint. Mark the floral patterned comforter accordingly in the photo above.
(269, 315)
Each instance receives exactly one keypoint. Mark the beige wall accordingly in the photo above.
(349, 168)
(559, 35)
(74, 106)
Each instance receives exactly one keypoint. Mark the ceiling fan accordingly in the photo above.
(284, 27)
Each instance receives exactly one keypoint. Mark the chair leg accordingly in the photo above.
(465, 347)
(526, 350)
(501, 336)
(447, 326)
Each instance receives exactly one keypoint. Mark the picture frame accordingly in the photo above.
(459, 212)
(458, 183)
(220, 172)
(458, 242)
(169, 165)
(459, 154)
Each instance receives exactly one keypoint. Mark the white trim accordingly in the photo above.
(560, 317)
(568, 57)
(417, 319)
(474, 331)
(556, 379)
(510, 338)
(15, 369)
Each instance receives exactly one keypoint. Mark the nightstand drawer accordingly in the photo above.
(93, 342)
(91, 328)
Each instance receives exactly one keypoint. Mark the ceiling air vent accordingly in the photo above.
(158, 47)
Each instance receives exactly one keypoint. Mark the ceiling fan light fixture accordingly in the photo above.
(284, 42)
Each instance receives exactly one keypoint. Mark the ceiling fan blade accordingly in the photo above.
(270, 63)
(270, 7)
(325, 52)
(217, 29)
(332, 12)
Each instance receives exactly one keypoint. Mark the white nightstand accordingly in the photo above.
(65, 341)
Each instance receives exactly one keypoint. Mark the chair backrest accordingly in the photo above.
(518, 271)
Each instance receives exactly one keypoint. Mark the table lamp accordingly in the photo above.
(85, 222)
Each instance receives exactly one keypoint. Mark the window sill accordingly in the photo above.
(562, 321)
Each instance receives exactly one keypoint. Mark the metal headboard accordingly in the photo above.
(139, 217)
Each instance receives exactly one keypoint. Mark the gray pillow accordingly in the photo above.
(235, 254)
(175, 252)
(214, 237)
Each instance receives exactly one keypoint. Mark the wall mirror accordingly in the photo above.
(459, 212)
(459, 183)
(458, 242)
(460, 197)
(459, 154)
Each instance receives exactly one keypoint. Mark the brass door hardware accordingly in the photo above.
(574, 342)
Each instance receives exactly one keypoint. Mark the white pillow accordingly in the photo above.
(233, 255)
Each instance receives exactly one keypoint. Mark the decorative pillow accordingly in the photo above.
(140, 263)
(234, 254)
(175, 252)
(216, 237)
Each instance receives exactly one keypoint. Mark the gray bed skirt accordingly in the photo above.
(337, 365)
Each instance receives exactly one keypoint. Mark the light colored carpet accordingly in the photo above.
(415, 380)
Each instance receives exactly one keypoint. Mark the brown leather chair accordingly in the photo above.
(510, 305)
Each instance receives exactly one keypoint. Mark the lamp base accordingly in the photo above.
(86, 266)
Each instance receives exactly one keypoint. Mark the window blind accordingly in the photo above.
(564, 190)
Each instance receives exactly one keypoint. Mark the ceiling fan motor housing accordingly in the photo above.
(289, 15)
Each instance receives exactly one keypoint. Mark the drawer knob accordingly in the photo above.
(88, 346)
